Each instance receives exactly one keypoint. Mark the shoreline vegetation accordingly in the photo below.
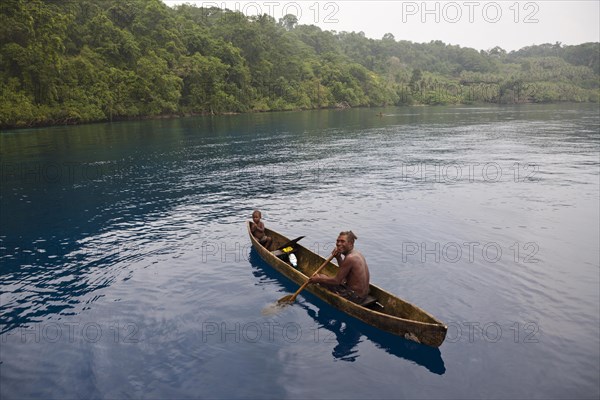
(74, 62)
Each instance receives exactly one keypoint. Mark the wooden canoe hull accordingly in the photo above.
(397, 316)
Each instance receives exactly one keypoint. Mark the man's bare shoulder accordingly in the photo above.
(355, 253)
(355, 257)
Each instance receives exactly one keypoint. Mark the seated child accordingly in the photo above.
(257, 227)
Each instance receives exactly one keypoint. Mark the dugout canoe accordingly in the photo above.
(385, 311)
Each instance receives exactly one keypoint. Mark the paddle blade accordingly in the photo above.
(289, 299)
(290, 243)
(273, 309)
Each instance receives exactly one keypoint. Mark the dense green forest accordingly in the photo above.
(100, 60)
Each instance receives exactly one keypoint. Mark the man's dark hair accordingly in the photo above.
(350, 235)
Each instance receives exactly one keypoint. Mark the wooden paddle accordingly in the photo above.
(290, 243)
(290, 298)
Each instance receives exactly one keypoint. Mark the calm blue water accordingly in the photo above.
(126, 270)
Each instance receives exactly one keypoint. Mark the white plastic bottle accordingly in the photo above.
(293, 260)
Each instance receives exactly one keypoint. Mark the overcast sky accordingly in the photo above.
(478, 24)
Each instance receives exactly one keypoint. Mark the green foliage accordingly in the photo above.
(97, 60)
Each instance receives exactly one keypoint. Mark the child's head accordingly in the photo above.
(256, 216)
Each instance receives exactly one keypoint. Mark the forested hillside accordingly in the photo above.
(99, 60)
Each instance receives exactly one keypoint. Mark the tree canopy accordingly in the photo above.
(100, 60)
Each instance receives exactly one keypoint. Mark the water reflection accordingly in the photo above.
(346, 336)
(347, 331)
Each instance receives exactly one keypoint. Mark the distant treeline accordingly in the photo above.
(100, 60)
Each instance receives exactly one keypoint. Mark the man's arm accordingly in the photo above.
(338, 257)
(343, 271)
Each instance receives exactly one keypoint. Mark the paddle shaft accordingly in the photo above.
(307, 282)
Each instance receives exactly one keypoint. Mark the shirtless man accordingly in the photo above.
(352, 278)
